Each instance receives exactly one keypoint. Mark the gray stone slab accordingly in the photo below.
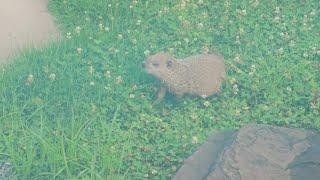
(256, 152)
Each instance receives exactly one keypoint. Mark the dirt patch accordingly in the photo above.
(24, 23)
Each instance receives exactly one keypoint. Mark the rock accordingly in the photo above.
(261, 152)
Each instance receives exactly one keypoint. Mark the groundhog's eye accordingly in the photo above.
(155, 64)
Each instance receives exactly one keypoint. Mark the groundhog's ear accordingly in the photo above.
(169, 63)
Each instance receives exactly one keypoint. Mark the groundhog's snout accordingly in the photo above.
(143, 64)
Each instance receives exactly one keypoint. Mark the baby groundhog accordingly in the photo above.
(201, 75)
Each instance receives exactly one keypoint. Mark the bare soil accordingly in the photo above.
(24, 23)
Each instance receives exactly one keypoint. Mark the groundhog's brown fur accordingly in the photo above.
(201, 75)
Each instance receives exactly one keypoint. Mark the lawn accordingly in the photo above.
(84, 108)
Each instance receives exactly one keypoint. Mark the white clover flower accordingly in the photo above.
(232, 80)
(227, 4)
(30, 78)
(289, 89)
(138, 22)
(146, 52)
(204, 15)
(305, 18)
(205, 49)
(134, 2)
(292, 43)
(194, 140)
(134, 87)
(241, 30)
(166, 10)
(45, 69)
(235, 89)
(313, 12)
(265, 108)
(203, 96)
(174, 168)
(78, 29)
(118, 79)
(193, 116)
(253, 67)
(176, 43)
(183, 4)
(246, 109)
(237, 40)
(79, 50)
(276, 19)
(107, 74)
(237, 58)
(184, 136)
(280, 50)
(206, 103)
(244, 12)
(314, 50)
(91, 70)
(68, 35)
(134, 41)
(186, 24)
(237, 112)
(255, 3)
(200, 25)
(114, 50)
(52, 76)
(101, 26)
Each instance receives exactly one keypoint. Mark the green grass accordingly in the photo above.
(92, 115)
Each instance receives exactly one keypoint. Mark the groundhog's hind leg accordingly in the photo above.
(161, 93)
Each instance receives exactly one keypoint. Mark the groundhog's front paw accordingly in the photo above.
(161, 93)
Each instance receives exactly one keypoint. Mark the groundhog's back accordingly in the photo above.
(206, 73)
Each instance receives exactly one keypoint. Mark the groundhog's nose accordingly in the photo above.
(143, 64)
